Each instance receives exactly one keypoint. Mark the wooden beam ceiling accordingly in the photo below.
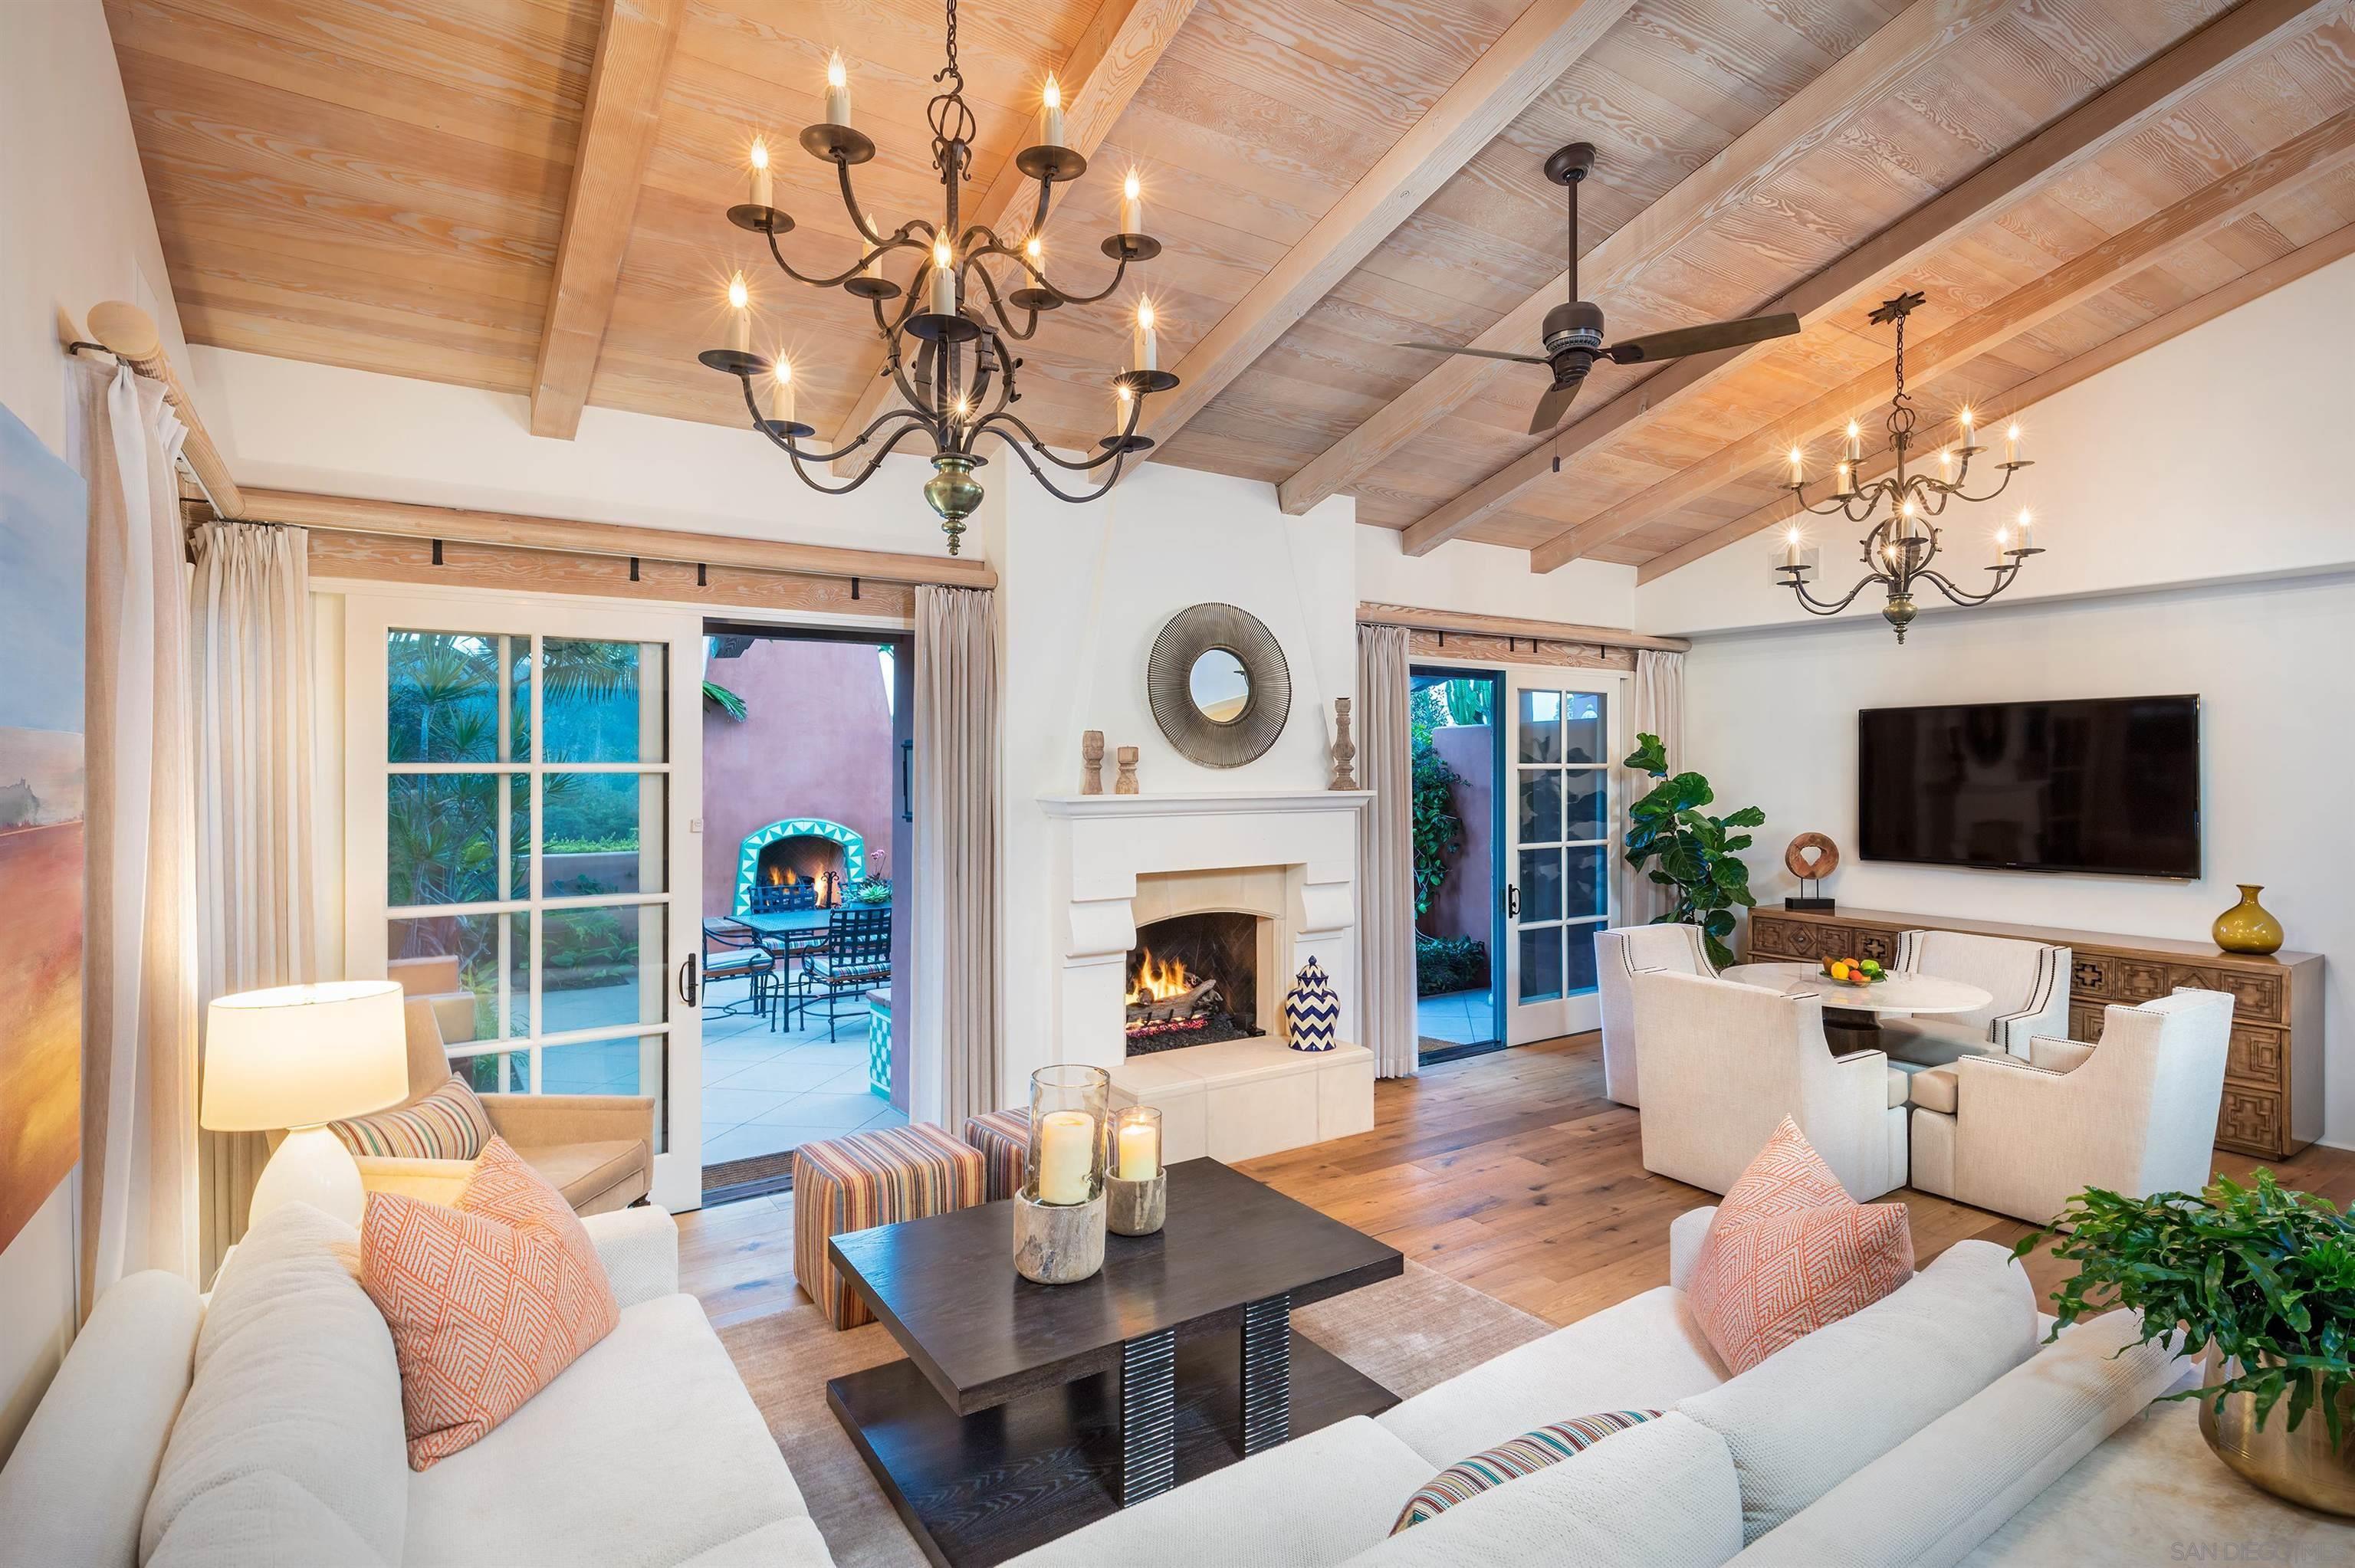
(2330, 145)
(2232, 296)
(617, 131)
(2164, 83)
(1818, 113)
(1105, 67)
(1530, 56)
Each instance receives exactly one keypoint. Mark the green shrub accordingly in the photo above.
(1445, 964)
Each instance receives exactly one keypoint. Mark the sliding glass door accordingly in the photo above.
(521, 785)
(1561, 814)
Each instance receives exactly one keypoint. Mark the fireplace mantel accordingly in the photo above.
(1203, 802)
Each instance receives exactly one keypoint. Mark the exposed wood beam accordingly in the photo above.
(1101, 73)
(353, 515)
(1415, 619)
(2335, 245)
(1857, 82)
(617, 131)
(2069, 142)
(1528, 58)
(2327, 146)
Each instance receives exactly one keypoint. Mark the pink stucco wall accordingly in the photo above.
(1462, 908)
(817, 744)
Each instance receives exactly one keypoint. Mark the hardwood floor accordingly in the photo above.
(1509, 1173)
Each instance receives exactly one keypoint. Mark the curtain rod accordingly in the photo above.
(1466, 622)
(128, 333)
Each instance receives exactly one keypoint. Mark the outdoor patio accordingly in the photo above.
(764, 1093)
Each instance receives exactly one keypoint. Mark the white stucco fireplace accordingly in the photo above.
(1288, 859)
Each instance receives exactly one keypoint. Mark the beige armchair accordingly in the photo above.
(1723, 1063)
(2136, 1114)
(597, 1149)
(1620, 954)
(2028, 982)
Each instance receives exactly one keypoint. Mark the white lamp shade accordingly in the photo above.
(300, 1054)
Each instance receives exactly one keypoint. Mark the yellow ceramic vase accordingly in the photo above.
(2247, 927)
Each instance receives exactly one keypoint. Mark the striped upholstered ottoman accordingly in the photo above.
(1004, 1139)
(870, 1178)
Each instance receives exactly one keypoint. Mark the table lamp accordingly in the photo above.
(299, 1056)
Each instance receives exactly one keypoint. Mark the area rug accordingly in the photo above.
(1407, 1334)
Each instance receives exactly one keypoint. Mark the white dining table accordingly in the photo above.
(1897, 993)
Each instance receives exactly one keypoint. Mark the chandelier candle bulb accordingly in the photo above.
(874, 264)
(2025, 531)
(763, 182)
(781, 402)
(1791, 549)
(739, 317)
(2011, 444)
(943, 279)
(1798, 468)
(1962, 422)
(838, 91)
(1131, 206)
(1855, 442)
(1843, 487)
(1148, 352)
(1050, 120)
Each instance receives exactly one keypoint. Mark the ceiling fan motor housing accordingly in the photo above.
(1576, 327)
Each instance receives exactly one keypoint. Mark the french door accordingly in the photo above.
(521, 786)
(1559, 815)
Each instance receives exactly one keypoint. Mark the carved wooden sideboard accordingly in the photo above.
(2272, 1079)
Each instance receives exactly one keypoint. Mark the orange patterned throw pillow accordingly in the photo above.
(487, 1302)
(1789, 1252)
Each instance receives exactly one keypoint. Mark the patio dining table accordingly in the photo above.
(778, 923)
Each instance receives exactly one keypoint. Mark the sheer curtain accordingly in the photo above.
(1655, 705)
(954, 994)
(258, 882)
(1385, 857)
(139, 1197)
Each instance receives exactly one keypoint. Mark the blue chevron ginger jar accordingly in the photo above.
(1312, 1013)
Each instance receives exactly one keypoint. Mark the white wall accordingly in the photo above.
(1488, 580)
(75, 229)
(1084, 592)
(2220, 455)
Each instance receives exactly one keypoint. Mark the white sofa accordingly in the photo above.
(1620, 954)
(2028, 982)
(2136, 1114)
(1905, 1432)
(1723, 1063)
(261, 1427)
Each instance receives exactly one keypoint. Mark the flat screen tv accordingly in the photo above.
(2107, 785)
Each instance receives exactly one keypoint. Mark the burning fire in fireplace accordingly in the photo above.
(1156, 981)
(1166, 997)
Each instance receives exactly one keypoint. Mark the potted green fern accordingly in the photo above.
(1682, 847)
(2263, 1281)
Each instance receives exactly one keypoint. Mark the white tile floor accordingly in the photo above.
(1460, 1018)
(764, 1093)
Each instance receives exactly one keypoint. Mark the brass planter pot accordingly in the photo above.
(2299, 1465)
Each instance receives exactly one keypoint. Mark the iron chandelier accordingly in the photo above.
(945, 344)
(1899, 549)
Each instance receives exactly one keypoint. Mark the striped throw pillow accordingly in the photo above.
(1525, 1455)
(448, 1124)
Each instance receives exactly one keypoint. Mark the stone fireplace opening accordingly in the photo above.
(1195, 980)
(799, 872)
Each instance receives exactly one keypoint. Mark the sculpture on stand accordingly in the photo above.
(1126, 783)
(1345, 750)
(1092, 762)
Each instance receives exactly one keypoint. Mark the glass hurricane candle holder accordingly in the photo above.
(1059, 1215)
(1136, 1194)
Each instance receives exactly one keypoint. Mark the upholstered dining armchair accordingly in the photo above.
(1621, 953)
(2136, 1114)
(1723, 1063)
(2028, 982)
(597, 1149)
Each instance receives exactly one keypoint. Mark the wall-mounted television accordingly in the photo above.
(2104, 785)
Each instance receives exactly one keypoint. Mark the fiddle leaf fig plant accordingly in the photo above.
(1682, 847)
(2262, 1276)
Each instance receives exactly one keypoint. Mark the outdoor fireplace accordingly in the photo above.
(1194, 980)
(807, 868)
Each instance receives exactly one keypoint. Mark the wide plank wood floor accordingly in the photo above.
(1509, 1171)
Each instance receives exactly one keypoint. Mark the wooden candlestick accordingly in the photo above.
(1126, 783)
(1092, 762)
(1345, 750)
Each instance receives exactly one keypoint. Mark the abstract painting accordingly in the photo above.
(44, 528)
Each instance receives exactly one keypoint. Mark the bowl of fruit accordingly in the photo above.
(1854, 971)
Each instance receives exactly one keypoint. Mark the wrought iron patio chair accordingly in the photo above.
(856, 957)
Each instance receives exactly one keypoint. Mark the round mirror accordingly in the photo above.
(1220, 685)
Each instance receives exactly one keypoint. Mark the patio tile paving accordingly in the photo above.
(766, 1091)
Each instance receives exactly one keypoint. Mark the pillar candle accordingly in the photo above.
(838, 91)
(1140, 1151)
(1050, 126)
(1066, 1153)
(762, 185)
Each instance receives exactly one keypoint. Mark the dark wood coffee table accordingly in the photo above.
(1025, 1411)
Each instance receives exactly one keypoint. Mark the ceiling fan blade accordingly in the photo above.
(1682, 341)
(1552, 406)
(1477, 352)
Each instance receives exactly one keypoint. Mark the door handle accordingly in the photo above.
(1512, 902)
(689, 988)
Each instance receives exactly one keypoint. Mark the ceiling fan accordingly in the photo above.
(1573, 330)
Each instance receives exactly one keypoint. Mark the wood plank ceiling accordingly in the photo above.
(383, 184)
